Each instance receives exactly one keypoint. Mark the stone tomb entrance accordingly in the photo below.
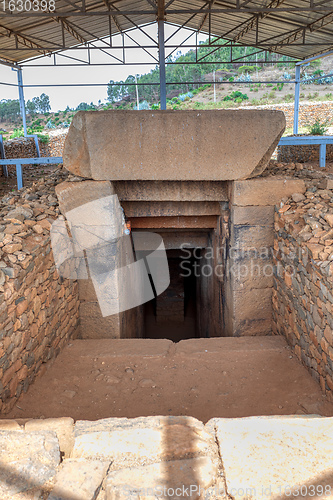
(106, 369)
(194, 179)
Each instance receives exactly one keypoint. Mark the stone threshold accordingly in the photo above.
(167, 457)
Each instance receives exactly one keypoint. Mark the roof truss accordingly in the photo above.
(295, 28)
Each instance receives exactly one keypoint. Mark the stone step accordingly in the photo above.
(160, 347)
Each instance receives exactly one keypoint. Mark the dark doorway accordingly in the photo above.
(173, 314)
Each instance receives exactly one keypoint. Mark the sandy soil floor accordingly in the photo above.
(203, 378)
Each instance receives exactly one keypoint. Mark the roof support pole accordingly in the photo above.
(297, 93)
(21, 98)
(298, 83)
(161, 52)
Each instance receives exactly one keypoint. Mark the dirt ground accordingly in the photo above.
(203, 378)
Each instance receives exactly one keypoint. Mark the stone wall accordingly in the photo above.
(38, 310)
(309, 112)
(303, 154)
(303, 281)
(24, 147)
(249, 274)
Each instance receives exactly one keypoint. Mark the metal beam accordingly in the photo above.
(296, 35)
(152, 3)
(161, 51)
(23, 40)
(252, 23)
(8, 62)
(115, 20)
(297, 94)
(119, 12)
(205, 16)
(70, 29)
(21, 99)
(309, 59)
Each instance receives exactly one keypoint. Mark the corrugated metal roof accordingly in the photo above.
(295, 28)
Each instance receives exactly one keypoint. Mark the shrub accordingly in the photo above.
(142, 105)
(287, 76)
(305, 79)
(289, 97)
(318, 128)
(50, 125)
(246, 69)
(244, 78)
(236, 96)
(18, 132)
(325, 80)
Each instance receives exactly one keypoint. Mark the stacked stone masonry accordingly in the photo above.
(26, 147)
(303, 154)
(303, 281)
(309, 112)
(38, 310)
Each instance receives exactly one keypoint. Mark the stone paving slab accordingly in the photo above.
(142, 441)
(276, 457)
(170, 480)
(27, 461)
(79, 480)
(254, 458)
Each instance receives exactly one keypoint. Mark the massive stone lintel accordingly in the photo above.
(212, 145)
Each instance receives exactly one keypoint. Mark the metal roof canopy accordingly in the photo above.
(296, 28)
(300, 29)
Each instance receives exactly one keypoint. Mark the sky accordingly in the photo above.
(61, 97)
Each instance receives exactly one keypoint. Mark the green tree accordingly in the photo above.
(31, 108)
(114, 91)
(44, 103)
(9, 109)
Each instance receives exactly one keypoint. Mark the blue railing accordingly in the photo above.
(309, 140)
(18, 162)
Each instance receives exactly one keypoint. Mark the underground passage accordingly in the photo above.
(173, 314)
(166, 306)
